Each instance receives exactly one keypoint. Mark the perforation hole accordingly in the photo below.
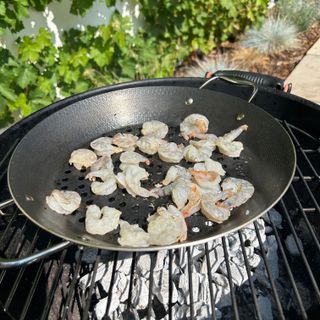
(122, 204)
(64, 187)
(84, 194)
(195, 229)
(89, 202)
(65, 179)
(81, 178)
(81, 186)
(111, 199)
(135, 207)
(83, 170)
(82, 219)
(67, 171)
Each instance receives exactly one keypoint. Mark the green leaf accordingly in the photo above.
(80, 6)
(2, 8)
(26, 76)
(7, 92)
(101, 58)
(110, 3)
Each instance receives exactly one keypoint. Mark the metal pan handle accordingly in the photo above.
(6, 263)
(235, 80)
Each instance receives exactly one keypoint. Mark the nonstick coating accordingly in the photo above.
(39, 164)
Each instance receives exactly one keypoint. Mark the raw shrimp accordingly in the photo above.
(130, 180)
(171, 152)
(241, 191)
(210, 165)
(193, 124)
(167, 226)
(149, 144)
(205, 179)
(104, 162)
(213, 211)
(63, 202)
(228, 146)
(108, 186)
(193, 205)
(155, 128)
(198, 151)
(103, 147)
(125, 141)
(82, 158)
(131, 157)
(101, 221)
(103, 174)
(174, 173)
(133, 235)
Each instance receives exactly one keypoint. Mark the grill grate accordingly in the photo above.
(50, 288)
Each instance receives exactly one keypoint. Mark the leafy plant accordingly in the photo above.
(274, 36)
(300, 13)
(202, 24)
(96, 56)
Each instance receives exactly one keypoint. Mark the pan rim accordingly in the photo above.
(175, 245)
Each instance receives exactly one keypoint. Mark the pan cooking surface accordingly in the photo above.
(39, 164)
(137, 210)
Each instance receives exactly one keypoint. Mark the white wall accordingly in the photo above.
(57, 18)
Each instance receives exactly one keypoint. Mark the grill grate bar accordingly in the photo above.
(34, 285)
(20, 274)
(5, 232)
(191, 302)
(54, 286)
(309, 190)
(4, 236)
(273, 287)
(233, 297)
(114, 268)
(305, 178)
(212, 298)
(88, 297)
(70, 292)
(301, 251)
(170, 285)
(252, 288)
(287, 266)
(151, 281)
(133, 267)
(288, 127)
(309, 226)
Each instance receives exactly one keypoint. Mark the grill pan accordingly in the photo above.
(39, 164)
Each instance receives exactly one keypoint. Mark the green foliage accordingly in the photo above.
(200, 24)
(96, 56)
(274, 36)
(301, 13)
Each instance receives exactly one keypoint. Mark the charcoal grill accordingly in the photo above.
(50, 287)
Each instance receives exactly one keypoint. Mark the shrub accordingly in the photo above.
(300, 13)
(274, 36)
(41, 73)
(211, 64)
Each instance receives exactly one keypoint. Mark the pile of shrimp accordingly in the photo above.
(199, 188)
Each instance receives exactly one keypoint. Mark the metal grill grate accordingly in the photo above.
(49, 288)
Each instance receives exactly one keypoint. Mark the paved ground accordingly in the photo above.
(305, 77)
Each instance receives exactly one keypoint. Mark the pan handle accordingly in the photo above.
(235, 80)
(6, 263)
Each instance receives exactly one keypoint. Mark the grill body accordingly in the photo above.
(50, 287)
